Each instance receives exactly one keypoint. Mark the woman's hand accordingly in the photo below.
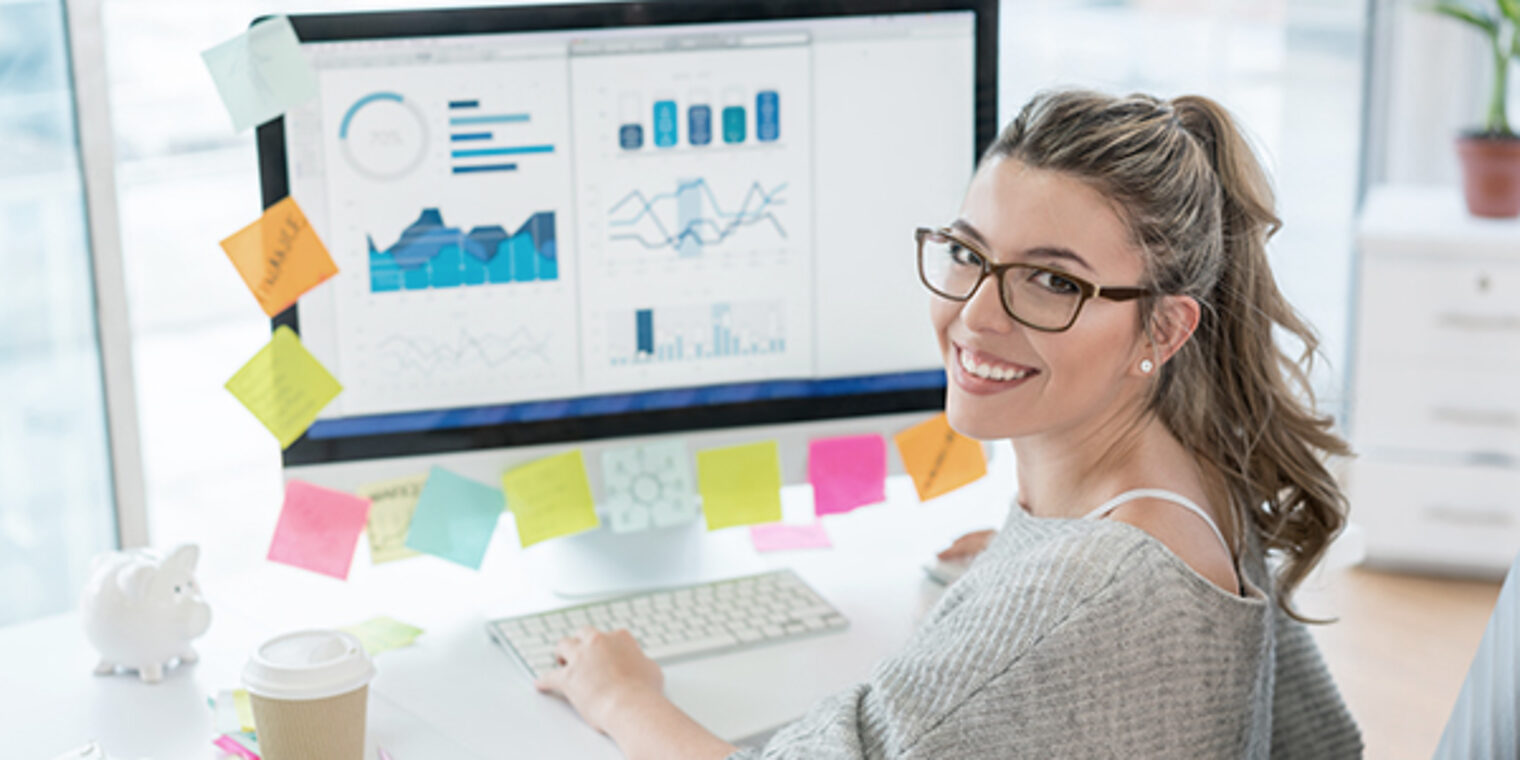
(601, 673)
(966, 547)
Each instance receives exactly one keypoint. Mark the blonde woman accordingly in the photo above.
(1103, 300)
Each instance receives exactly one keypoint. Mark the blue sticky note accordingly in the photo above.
(455, 518)
(261, 73)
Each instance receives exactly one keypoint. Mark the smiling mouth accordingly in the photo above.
(978, 365)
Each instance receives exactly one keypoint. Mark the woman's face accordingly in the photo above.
(1020, 214)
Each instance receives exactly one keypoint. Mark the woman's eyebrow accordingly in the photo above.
(1044, 251)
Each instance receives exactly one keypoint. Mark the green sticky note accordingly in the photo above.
(550, 497)
(740, 485)
(455, 518)
(261, 73)
(391, 504)
(284, 386)
(382, 634)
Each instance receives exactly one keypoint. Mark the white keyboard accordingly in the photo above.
(681, 623)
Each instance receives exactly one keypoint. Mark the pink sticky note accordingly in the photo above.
(775, 537)
(318, 529)
(847, 472)
(230, 746)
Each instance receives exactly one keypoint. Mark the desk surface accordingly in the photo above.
(1399, 653)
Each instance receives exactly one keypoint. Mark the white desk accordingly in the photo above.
(454, 694)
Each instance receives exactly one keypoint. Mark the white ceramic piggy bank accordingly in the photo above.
(141, 609)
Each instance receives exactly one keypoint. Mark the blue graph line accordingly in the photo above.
(742, 217)
(348, 116)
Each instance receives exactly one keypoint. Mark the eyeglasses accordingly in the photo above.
(1039, 297)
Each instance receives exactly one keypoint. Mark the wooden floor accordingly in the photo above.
(1400, 650)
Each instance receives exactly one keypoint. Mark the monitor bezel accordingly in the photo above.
(329, 27)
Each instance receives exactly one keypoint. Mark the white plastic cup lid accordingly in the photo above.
(313, 664)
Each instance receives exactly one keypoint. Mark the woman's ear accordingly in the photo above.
(1172, 323)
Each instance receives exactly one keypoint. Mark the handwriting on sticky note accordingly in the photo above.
(284, 386)
(382, 634)
(847, 472)
(648, 486)
(740, 485)
(775, 537)
(261, 73)
(550, 498)
(318, 529)
(392, 503)
(279, 256)
(454, 518)
(939, 459)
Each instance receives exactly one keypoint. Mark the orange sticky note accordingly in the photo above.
(280, 256)
(939, 459)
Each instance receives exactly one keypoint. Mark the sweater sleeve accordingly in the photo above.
(1309, 720)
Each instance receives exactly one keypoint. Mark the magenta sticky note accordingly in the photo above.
(847, 472)
(232, 747)
(776, 537)
(318, 529)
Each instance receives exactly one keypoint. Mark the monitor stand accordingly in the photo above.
(601, 562)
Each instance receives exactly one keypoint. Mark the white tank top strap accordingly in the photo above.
(1165, 495)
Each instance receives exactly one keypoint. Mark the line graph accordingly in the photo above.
(421, 354)
(700, 220)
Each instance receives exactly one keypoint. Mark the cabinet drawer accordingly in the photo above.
(1465, 517)
(1430, 408)
(1446, 312)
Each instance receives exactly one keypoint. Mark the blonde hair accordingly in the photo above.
(1200, 207)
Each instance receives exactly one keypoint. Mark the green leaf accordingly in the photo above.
(1511, 8)
(1477, 18)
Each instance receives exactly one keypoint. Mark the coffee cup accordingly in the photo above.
(309, 690)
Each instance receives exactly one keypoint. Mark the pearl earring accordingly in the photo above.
(1146, 366)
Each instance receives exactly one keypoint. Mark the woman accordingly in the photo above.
(1103, 300)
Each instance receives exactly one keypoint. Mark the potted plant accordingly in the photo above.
(1491, 155)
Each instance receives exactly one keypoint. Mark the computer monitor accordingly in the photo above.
(587, 225)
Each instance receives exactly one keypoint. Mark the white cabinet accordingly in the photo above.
(1435, 407)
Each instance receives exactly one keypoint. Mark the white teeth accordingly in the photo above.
(990, 372)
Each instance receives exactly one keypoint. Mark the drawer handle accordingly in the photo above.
(1501, 418)
(1494, 517)
(1479, 322)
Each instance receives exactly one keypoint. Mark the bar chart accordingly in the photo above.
(429, 254)
(696, 332)
(735, 120)
(476, 138)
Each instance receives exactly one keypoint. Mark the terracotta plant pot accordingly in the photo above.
(1491, 175)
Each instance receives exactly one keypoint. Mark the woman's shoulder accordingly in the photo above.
(1186, 535)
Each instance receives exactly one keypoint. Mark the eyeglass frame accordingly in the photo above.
(1088, 290)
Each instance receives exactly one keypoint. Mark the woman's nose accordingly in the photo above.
(984, 312)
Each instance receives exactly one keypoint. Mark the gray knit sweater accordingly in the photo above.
(1087, 638)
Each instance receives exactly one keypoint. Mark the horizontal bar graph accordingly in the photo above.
(430, 255)
(695, 333)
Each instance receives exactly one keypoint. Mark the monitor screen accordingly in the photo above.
(606, 220)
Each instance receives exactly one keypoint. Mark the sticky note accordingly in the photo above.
(230, 745)
(244, 709)
(648, 486)
(279, 256)
(847, 472)
(740, 485)
(455, 518)
(261, 73)
(284, 386)
(550, 497)
(939, 459)
(382, 634)
(391, 504)
(775, 537)
(318, 529)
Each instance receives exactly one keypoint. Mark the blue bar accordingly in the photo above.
(644, 325)
(664, 123)
(631, 136)
(767, 115)
(464, 104)
(510, 118)
(462, 136)
(485, 168)
(513, 151)
(699, 124)
(733, 124)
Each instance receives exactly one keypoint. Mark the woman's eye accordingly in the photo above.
(962, 255)
(1055, 283)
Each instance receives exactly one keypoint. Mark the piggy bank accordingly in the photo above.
(141, 609)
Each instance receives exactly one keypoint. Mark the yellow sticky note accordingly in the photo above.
(280, 256)
(550, 497)
(244, 709)
(382, 634)
(939, 459)
(284, 386)
(740, 485)
(391, 504)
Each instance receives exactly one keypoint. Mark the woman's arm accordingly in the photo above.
(620, 692)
